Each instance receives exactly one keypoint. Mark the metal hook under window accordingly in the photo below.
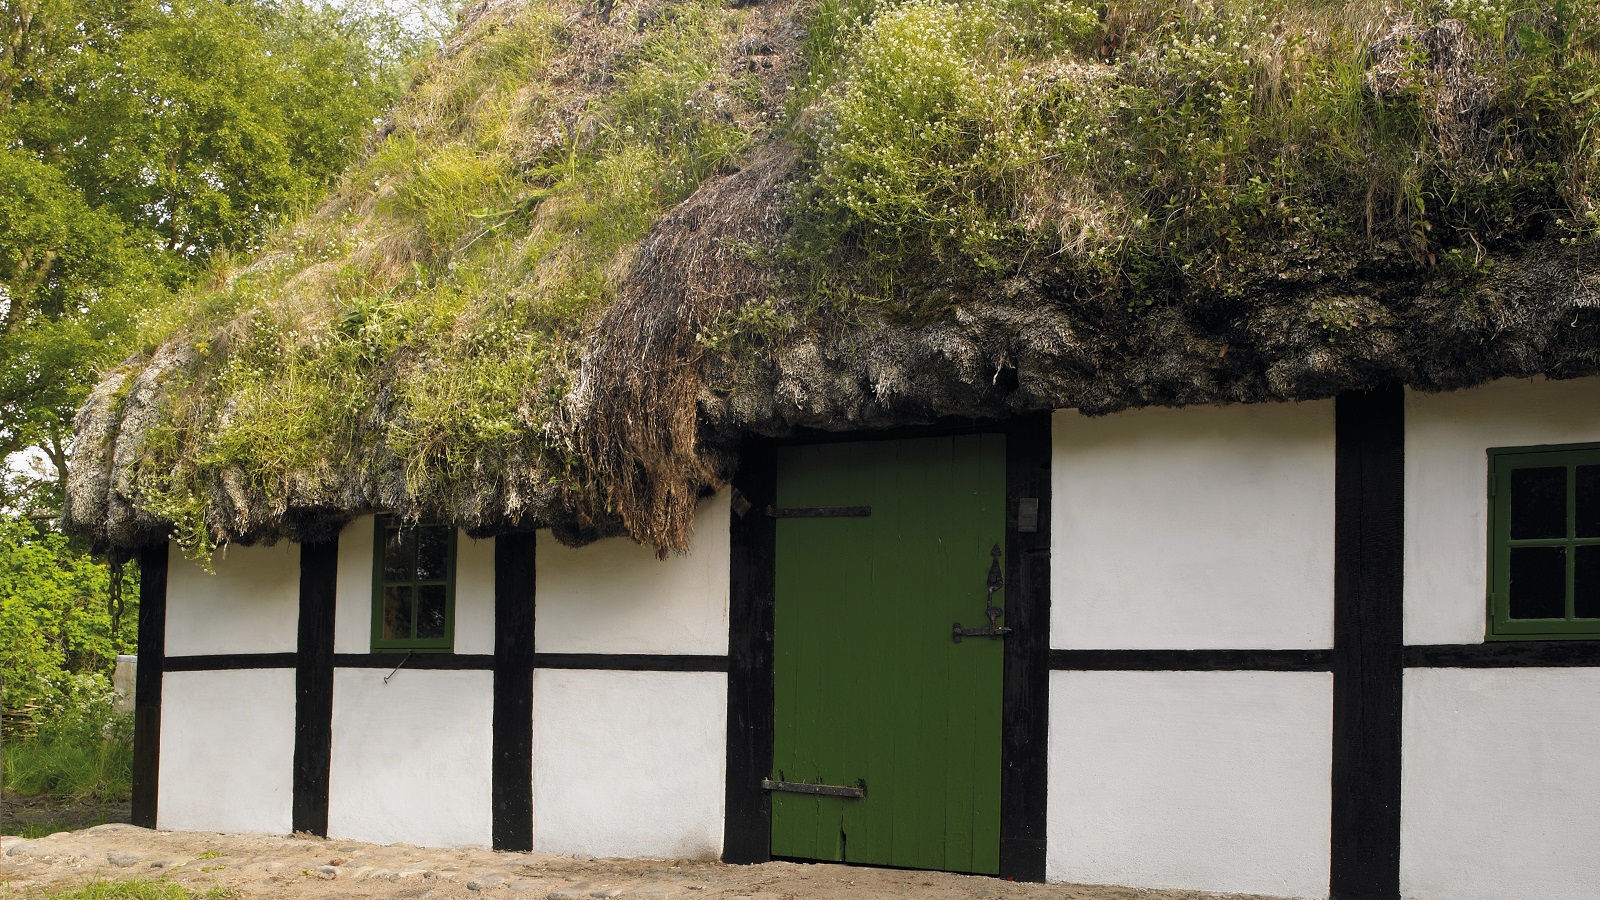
(402, 662)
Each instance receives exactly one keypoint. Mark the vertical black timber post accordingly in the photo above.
(747, 826)
(512, 777)
(147, 683)
(313, 686)
(1026, 692)
(1369, 525)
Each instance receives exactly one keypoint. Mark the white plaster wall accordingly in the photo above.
(474, 595)
(227, 751)
(1198, 780)
(629, 763)
(352, 617)
(249, 604)
(1447, 489)
(352, 626)
(411, 758)
(614, 596)
(1499, 797)
(1197, 528)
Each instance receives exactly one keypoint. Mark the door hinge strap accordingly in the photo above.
(819, 512)
(859, 792)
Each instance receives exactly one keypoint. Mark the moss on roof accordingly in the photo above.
(596, 245)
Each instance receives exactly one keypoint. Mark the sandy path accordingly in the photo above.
(292, 868)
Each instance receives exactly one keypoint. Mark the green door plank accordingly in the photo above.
(868, 685)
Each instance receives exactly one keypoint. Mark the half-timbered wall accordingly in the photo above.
(1499, 799)
(630, 742)
(227, 737)
(411, 743)
(1225, 647)
(1190, 547)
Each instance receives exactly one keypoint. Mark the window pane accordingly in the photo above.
(1539, 503)
(433, 552)
(1538, 582)
(397, 613)
(1586, 583)
(430, 611)
(399, 553)
(1589, 501)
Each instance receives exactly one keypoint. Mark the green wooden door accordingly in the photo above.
(870, 688)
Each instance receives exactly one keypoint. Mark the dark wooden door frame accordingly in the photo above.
(747, 834)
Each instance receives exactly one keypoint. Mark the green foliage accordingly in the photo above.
(140, 889)
(60, 632)
(141, 140)
(1145, 144)
(455, 265)
(430, 314)
(61, 629)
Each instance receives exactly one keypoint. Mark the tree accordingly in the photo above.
(142, 141)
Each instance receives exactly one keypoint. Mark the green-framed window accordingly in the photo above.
(413, 587)
(1544, 543)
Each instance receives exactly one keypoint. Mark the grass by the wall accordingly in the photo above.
(71, 769)
(140, 889)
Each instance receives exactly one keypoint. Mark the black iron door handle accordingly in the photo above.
(997, 581)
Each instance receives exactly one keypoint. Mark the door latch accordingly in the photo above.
(997, 581)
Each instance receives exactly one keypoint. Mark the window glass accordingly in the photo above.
(1586, 584)
(1538, 582)
(1588, 509)
(433, 553)
(397, 613)
(430, 611)
(399, 551)
(1538, 503)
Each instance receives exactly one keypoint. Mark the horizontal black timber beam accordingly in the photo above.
(1503, 655)
(1192, 660)
(222, 662)
(623, 662)
(631, 662)
(447, 661)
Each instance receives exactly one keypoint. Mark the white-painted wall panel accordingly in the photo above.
(1198, 528)
(227, 751)
(1447, 489)
(352, 618)
(1500, 799)
(614, 596)
(411, 758)
(474, 595)
(1199, 780)
(250, 603)
(629, 763)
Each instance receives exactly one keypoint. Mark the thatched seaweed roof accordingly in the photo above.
(599, 245)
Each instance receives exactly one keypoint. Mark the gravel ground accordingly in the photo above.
(292, 868)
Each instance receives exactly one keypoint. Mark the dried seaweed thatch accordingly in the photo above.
(635, 408)
(602, 245)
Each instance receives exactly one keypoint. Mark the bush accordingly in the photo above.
(61, 628)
